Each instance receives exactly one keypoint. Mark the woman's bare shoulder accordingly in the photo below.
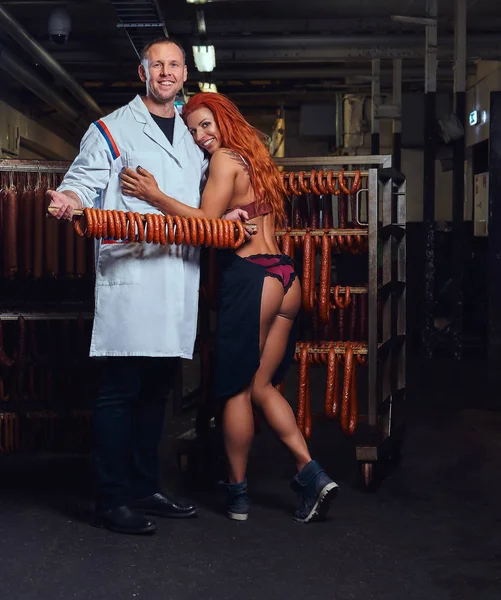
(230, 158)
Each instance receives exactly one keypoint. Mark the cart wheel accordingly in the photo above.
(368, 473)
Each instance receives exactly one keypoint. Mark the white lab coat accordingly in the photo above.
(146, 296)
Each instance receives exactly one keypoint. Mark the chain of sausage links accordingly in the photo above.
(354, 244)
(160, 229)
(346, 407)
(320, 182)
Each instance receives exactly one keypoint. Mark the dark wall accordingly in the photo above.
(413, 116)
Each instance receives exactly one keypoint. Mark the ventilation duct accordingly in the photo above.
(142, 21)
(26, 77)
(353, 122)
(24, 39)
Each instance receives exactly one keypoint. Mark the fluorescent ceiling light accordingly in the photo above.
(205, 58)
(201, 26)
(196, 1)
(207, 87)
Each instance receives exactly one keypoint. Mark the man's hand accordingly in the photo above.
(238, 214)
(65, 202)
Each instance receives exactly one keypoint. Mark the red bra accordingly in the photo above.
(253, 209)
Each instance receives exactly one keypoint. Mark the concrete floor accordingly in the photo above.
(430, 532)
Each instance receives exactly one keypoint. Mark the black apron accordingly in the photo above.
(237, 355)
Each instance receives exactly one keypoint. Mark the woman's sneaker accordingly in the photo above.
(237, 502)
(316, 490)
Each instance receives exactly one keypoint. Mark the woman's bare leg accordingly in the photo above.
(275, 336)
(238, 431)
(238, 419)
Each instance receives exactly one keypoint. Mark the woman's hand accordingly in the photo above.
(139, 184)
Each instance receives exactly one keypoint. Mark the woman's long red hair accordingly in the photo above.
(239, 135)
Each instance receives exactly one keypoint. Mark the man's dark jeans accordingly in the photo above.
(128, 420)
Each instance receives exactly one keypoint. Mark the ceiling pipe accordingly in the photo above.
(26, 77)
(115, 79)
(317, 73)
(335, 40)
(20, 35)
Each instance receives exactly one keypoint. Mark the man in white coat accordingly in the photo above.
(146, 295)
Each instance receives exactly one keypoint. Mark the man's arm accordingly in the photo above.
(88, 174)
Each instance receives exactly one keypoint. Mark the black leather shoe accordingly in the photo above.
(124, 520)
(161, 506)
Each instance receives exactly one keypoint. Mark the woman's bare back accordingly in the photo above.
(263, 242)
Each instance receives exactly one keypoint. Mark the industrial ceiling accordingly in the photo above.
(269, 53)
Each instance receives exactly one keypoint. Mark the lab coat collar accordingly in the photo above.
(152, 130)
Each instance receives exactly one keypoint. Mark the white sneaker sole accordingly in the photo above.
(237, 516)
(322, 505)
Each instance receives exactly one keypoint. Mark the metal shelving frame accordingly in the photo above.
(56, 167)
(380, 436)
(13, 165)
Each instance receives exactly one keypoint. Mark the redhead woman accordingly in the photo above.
(260, 298)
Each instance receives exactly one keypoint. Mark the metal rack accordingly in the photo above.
(13, 315)
(44, 413)
(57, 167)
(379, 436)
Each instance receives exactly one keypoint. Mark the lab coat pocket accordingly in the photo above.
(118, 264)
(151, 161)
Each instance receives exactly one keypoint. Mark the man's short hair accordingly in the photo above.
(161, 40)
